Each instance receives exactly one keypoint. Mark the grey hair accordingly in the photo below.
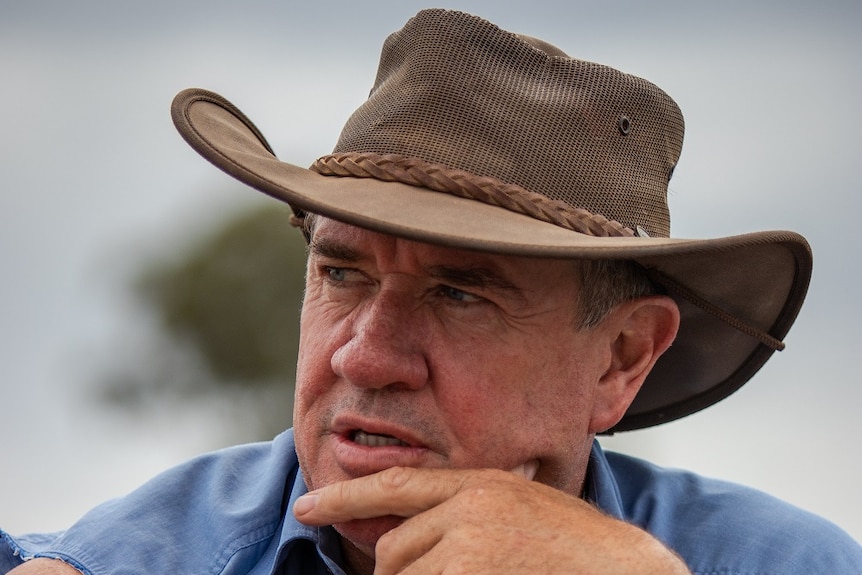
(604, 284)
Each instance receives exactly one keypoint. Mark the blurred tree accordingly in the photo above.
(236, 298)
(227, 317)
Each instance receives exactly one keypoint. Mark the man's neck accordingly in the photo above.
(355, 561)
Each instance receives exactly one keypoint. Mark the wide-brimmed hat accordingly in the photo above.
(477, 138)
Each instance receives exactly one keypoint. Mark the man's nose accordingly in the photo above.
(386, 345)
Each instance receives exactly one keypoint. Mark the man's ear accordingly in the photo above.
(640, 331)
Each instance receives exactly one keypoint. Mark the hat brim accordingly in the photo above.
(762, 277)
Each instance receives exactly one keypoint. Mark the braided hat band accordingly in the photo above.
(489, 190)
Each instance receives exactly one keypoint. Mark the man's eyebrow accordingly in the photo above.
(473, 276)
(467, 276)
(333, 250)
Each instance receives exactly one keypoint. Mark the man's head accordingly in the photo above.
(414, 354)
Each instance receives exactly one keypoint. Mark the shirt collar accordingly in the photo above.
(325, 539)
(601, 488)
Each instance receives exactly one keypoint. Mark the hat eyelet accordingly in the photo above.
(625, 125)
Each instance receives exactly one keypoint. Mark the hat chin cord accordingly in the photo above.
(675, 288)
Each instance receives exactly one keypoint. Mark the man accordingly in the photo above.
(490, 284)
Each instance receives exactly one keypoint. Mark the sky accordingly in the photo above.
(94, 180)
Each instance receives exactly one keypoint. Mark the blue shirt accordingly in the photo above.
(229, 513)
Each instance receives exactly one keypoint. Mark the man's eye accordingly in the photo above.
(336, 274)
(458, 295)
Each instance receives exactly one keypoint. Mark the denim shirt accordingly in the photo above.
(228, 513)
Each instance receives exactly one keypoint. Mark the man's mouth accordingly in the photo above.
(375, 440)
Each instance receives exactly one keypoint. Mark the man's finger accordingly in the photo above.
(399, 491)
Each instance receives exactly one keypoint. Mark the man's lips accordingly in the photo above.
(375, 433)
(363, 445)
(375, 453)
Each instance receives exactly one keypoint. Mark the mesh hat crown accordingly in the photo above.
(477, 138)
(454, 90)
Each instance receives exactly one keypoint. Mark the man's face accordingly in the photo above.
(419, 355)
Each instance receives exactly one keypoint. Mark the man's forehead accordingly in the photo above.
(353, 243)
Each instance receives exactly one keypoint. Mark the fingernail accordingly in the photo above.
(530, 469)
(305, 503)
(527, 470)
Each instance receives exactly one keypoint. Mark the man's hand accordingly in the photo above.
(44, 567)
(485, 521)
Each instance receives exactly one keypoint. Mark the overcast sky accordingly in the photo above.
(93, 180)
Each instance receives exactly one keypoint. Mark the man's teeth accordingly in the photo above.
(371, 440)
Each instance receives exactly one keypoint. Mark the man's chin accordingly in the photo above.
(364, 533)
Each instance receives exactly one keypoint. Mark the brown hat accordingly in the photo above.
(478, 138)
